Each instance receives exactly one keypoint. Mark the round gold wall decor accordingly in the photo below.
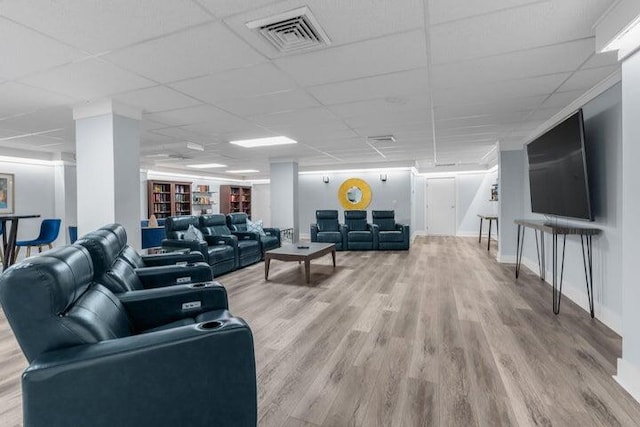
(354, 194)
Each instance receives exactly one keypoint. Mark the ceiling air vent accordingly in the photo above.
(292, 31)
(382, 139)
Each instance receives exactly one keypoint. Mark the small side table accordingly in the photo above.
(489, 218)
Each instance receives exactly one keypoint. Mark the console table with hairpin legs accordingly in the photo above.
(586, 234)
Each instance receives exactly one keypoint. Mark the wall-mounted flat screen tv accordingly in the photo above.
(558, 176)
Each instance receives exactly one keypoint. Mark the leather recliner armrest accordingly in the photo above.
(314, 232)
(168, 275)
(192, 245)
(374, 230)
(179, 376)
(172, 258)
(222, 240)
(273, 231)
(246, 235)
(149, 308)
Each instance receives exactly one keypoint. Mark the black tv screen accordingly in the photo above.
(558, 171)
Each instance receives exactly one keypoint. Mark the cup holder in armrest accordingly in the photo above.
(198, 285)
(212, 324)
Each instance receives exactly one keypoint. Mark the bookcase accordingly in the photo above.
(235, 199)
(202, 199)
(168, 198)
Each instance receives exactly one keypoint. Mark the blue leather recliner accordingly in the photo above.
(360, 235)
(391, 236)
(157, 357)
(328, 230)
(237, 222)
(226, 254)
(115, 273)
(218, 253)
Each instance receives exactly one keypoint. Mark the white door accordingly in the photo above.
(441, 206)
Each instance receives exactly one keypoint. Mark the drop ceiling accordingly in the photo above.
(468, 73)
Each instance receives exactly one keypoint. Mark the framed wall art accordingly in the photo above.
(6, 193)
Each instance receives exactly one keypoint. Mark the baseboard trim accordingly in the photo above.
(628, 377)
(578, 295)
(418, 233)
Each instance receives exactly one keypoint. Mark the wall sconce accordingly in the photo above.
(383, 177)
(325, 179)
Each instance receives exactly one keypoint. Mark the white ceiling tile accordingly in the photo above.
(343, 22)
(195, 52)
(562, 99)
(398, 118)
(40, 120)
(313, 116)
(157, 98)
(245, 82)
(97, 26)
(88, 80)
(388, 54)
(225, 8)
(16, 98)
(509, 30)
(33, 52)
(497, 92)
(191, 115)
(272, 103)
(379, 106)
(586, 79)
(535, 62)
(392, 85)
(178, 133)
(220, 124)
(602, 60)
(451, 10)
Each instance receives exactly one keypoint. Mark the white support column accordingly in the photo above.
(65, 198)
(629, 365)
(619, 30)
(108, 167)
(284, 196)
(511, 190)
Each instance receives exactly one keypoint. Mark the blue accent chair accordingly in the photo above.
(328, 230)
(49, 229)
(361, 236)
(391, 236)
(73, 233)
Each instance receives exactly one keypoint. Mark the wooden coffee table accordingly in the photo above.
(295, 252)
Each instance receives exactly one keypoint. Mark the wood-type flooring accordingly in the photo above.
(441, 335)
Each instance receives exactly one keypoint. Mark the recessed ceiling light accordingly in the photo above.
(244, 171)
(207, 166)
(264, 142)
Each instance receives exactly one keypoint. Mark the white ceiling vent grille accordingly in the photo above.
(382, 139)
(292, 31)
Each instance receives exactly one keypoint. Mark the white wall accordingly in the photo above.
(473, 194)
(66, 200)
(261, 203)
(284, 196)
(511, 168)
(472, 198)
(34, 193)
(603, 139)
(394, 194)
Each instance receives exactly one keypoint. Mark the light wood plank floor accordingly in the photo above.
(441, 335)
